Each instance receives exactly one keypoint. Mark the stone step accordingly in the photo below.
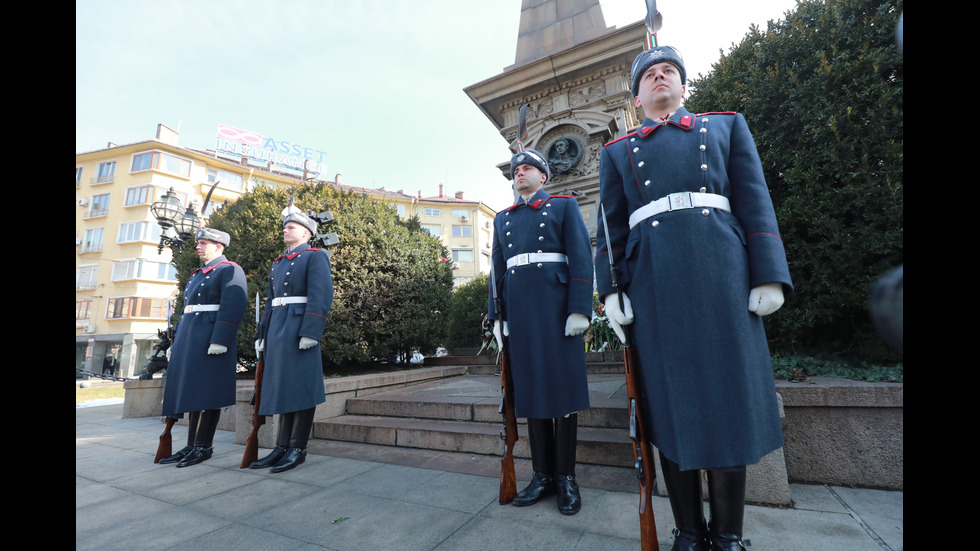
(597, 446)
(605, 414)
(486, 364)
(462, 414)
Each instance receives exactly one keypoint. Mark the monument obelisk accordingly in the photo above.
(573, 72)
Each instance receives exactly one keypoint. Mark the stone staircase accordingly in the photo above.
(461, 414)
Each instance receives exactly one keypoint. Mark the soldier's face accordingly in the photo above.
(660, 88)
(293, 234)
(528, 179)
(208, 250)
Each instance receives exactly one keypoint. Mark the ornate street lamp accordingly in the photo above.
(170, 214)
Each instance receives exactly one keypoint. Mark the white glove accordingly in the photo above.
(766, 299)
(576, 324)
(618, 317)
(217, 349)
(259, 346)
(500, 330)
(306, 342)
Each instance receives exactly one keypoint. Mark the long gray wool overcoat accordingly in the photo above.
(293, 378)
(196, 380)
(709, 393)
(537, 297)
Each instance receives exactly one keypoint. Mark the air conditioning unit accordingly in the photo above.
(81, 202)
(90, 329)
(465, 218)
(78, 240)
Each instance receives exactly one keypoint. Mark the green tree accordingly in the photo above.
(391, 288)
(822, 92)
(469, 306)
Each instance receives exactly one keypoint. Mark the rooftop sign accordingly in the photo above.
(283, 154)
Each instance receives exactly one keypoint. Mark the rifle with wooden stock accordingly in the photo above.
(642, 450)
(165, 447)
(252, 444)
(508, 433)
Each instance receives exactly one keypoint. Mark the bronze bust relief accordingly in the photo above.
(564, 154)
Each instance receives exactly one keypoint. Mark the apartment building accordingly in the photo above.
(464, 226)
(124, 280)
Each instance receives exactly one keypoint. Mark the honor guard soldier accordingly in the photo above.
(291, 326)
(201, 374)
(694, 238)
(542, 264)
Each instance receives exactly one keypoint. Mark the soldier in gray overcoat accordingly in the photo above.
(289, 332)
(201, 372)
(542, 265)
(694, 239)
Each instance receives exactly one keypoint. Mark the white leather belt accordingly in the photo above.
(279, 301)
(679, 201)
(191, 308)
(528, 258)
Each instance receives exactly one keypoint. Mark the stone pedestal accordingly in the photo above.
(143, 398)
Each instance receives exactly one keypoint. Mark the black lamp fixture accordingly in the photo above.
(170, 214)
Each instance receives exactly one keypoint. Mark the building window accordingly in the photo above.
(229, 180)
(139, 195)
(139, 268)
(106, 172)
(462, 231)
(462, 255)
(157, 160)
(400, 209)
(78, 176)
(255, 182)
(143, 230)
(83, 309)
(457, 213)
(431, 212)
(434, 229)
(99, 206)
(85, 276)
(136, 307)
(93, 240)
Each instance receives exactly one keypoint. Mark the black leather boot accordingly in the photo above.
(193, 418)
(541, 439)
(726, 501)
(566, 440)
(282, 443)
(296, 454)
(684, 490)
(203, 439)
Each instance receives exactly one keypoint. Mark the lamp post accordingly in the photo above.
(170, 214)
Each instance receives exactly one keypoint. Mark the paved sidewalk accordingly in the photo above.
(124, 501)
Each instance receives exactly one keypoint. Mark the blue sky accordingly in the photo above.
(377, 85)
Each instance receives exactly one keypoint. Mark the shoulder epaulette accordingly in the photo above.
(620, 138)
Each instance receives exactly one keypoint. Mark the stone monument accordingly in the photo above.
(573, 72)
